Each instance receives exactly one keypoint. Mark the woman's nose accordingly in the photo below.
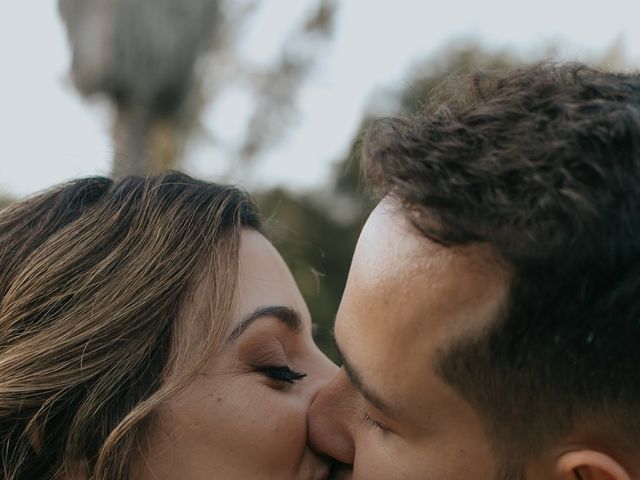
(331, 418)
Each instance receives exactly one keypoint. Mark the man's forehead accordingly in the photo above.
(406, 295)
(387, 220)
(389, 243)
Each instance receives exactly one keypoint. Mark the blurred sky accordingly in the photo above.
(50, 134)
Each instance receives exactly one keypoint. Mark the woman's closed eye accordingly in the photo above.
(280, 373)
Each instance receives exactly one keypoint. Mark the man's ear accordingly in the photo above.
(589, 465)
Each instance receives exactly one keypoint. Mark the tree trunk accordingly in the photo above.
(131, 154)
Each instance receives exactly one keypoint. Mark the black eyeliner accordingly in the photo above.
(280, 372)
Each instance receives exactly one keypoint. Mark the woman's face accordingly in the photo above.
(245, 417)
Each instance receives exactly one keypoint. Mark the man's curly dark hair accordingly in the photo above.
(543, 164)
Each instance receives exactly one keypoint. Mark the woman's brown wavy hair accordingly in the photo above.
(94, 277)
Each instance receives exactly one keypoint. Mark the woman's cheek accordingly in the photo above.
(282, 424)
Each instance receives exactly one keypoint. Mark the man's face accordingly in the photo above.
(387, 412)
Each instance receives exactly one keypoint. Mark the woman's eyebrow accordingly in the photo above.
(287, 315)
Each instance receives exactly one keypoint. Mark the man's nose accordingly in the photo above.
(331, 420)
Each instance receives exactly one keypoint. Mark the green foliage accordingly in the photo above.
(318, 247)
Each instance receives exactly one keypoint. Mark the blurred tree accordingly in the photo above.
(146, 57)
(279, 85)
(615, 57)
(141, 55)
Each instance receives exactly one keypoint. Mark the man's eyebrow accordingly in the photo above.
(369, 394)
(287, 315)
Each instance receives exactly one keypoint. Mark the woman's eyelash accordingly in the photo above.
(281, 373)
